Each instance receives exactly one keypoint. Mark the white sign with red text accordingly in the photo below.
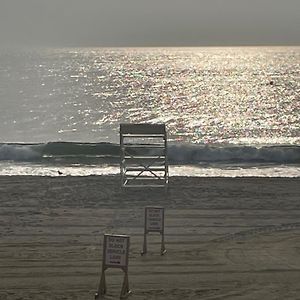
(116, 250)
(154, 219)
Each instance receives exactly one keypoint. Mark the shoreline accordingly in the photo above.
(225, 237)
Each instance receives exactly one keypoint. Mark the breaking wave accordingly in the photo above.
(95, 153)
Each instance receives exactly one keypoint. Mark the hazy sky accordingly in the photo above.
(150, 22)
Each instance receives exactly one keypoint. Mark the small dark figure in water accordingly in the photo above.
(271, 82)
(59, 172)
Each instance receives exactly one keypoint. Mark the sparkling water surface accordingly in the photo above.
(204, 95)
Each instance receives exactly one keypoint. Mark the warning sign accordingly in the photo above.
(116, 250)
(154, 222)
(115, 255)
(154, 219)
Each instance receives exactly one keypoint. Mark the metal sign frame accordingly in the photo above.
(112, 243)
(154, 223)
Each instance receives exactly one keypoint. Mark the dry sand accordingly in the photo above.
(225, 238)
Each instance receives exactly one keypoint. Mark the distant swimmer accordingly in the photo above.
(271, 82)
(59, 172)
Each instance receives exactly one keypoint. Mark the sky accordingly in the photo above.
(155, 23)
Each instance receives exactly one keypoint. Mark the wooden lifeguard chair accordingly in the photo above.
(143, 155)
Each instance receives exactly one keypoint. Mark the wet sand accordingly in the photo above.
(226, 238)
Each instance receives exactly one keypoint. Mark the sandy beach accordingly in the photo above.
(226, 238)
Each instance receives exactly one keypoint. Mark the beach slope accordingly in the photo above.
(226, 238)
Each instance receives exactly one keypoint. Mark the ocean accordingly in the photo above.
(229, 111)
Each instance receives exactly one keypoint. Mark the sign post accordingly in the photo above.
(115, 255)
(154, 222)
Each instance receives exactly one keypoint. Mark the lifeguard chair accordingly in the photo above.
(143, 155)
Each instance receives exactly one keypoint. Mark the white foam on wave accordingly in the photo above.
(10, 169)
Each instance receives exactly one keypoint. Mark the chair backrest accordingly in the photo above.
(146, 128)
